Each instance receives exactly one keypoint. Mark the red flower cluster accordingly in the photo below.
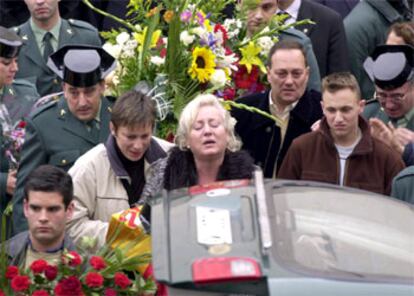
(94, 280)
(121, 280)
(51, 272)
(40, 293)
(70, 286)
(11, 272)
(38, 266)
(20, 283)
(97, 262)
(74, 259)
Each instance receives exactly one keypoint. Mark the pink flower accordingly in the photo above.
(186, 16)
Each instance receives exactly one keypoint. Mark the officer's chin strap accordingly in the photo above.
(264, 223)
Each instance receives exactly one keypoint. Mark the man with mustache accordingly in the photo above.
(342, 151)
(44, 33)
(62, 130)
(288, 100)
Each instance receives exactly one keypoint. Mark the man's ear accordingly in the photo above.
(361, 106)
(112, 128)
(69, 210)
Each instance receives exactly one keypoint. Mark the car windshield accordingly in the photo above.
(342, 233)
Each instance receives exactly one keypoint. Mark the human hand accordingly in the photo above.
(11, 182)
(381, 131)
(386, 133)
(404, 135)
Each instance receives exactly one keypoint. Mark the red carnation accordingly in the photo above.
(121, 280)
(38, 266)
(11, 272)
(110, 292)
(70, 286)
(22, 124)
(94, 280)
(75, 259)
(20, 283)
(2, 293)
(40, 293)
(223, 31)
(163, 53)
(229, 94)
(97, 262)
(51, 272)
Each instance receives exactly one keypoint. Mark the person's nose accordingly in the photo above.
(338, 117)
(138, 145)
(258, 15)
(43, 216)
(82, 100)
(389, 103)
(14, 67)
(289, 79)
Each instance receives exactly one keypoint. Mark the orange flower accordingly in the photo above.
(168, 15)
(152, 12)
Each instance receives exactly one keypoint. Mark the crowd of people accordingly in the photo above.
(342, 91)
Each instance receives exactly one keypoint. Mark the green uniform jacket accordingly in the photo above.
(31, 63)
(373, 110)
(19, 99)
(366, 27)
(54, 136)
(403, 185)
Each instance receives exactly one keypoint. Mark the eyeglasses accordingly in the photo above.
(395, 98)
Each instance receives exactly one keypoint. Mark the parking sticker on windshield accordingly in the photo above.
(213, 226)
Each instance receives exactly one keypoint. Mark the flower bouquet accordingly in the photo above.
(121, 267)
(185, 47)
(13, 143)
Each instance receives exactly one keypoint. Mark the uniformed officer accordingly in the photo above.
(16, 99)
(391, 67)
(44, 33)
(62, 130)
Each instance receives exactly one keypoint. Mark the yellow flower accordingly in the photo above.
(202, 65)
(168, 15)
(140, 38)
(250, 57)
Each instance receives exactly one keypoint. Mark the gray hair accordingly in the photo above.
(189, 114)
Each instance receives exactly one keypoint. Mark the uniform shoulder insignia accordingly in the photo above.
(81, 24)
(45, 103)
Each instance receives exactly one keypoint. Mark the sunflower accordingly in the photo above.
(202, 65)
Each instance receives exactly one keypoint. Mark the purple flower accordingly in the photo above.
(186, 16)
